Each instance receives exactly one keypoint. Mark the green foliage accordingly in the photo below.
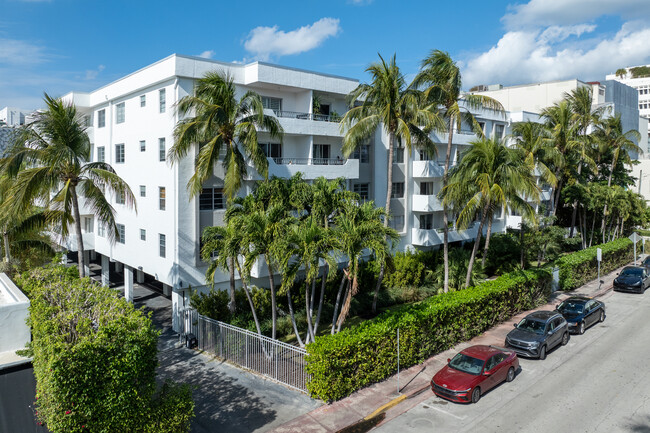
(640, 71)
(643, 232)
(343, 363)
(580, 267)
(503, 255)
(94, 358)
(408, 271)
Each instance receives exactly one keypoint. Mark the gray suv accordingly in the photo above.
(538, 333)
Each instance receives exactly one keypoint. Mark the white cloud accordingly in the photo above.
(542, 13)
(560, 33)
(531, 56)
(264, 42)
(360, 2)
(17, 52)
(91, 74)
(207, 54)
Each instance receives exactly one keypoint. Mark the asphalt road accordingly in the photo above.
(599, 382)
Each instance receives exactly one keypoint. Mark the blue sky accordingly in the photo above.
(63, 45)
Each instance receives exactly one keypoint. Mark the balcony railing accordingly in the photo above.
(308, 116)
(309, 161)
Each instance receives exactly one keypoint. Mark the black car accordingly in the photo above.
(632, 279)
(581, 312)
(538, 333)
(646, 263)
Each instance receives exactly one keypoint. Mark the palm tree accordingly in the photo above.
(358, 228)
(442, 77)
(609, 132)
(50, 162)
(400, 110)
(490, 176)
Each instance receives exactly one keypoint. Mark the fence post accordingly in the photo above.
(220, 342)
(398, 360)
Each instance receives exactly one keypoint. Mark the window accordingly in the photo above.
(87, 121)
(101, 154)
(426, 188)
(398, 190)
(143, 100)
(161, 198)
(101, 230)
(425, 155)
(88, 225)
(396, 222)
(482, 126)
(398, 155)
(211, 199)
(271, 150)
(143, 145)
(361, 189)
(119, 113)
(143, 235)
(119, 198)
(498, 131)
(101, 118)
(321, 154)
(161, 149)
(362, 153)
(143, 191)
(274, 104)
(426, 221)
(119, 153)
(162, 243)
(121, 235)
(162, 97)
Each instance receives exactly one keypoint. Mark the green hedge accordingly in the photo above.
(581, 267)
(95, 359)
(343, 363)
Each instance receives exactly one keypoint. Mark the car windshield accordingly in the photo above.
(571, 307)
(632, 272)
(466, 364)
(531, 326)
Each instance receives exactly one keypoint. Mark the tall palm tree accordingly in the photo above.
(609, 132)
(399, 109)
(359, 227)
(442, 79)
(490, 176)
(50, 162)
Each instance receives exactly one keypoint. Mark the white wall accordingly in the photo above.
(14, 310)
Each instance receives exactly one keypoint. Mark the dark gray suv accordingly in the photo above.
(538, 333)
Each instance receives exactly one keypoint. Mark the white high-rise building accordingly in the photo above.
(131, 123)
(11, 116)
(642, 85)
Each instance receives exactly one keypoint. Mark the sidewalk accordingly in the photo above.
(379, 403)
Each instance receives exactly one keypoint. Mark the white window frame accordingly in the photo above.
(121, 234)
(162, 245)
(162, 100)
(120, 112)
(119, 153)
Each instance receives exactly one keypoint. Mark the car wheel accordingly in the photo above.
(542, 353)
(602, 316)
(476, 395)
(581, 328)
(565, 339)
(511, 374)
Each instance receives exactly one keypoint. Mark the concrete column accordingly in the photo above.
(105, 270)
(118, 267)
(177, 307)
(87, 262)
(140, 276)
(128, 283)
(167, 289)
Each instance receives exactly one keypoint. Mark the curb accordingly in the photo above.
(387, 406)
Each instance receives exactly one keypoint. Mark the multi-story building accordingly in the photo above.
(131, 122)
(12, 116)
(642, 85)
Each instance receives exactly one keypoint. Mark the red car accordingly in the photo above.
(474, 371)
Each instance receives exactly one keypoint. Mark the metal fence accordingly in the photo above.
(271, 358)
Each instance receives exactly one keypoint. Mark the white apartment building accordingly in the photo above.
(11, 116)
(130, 125)
(642, 86)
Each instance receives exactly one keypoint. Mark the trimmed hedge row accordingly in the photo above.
(95, 359)
(581, 267)
(343, 363)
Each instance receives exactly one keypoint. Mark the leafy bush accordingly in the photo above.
(408, 271)
(94, 358)
(643, 232)
(504, 254)
(342, 363)
(578, 268)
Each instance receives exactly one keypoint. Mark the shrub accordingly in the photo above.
(504, 254)
(578, 268)
(94, 358)
(408, 271)
(342, 363)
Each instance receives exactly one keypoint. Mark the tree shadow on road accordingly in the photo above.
(641, 426)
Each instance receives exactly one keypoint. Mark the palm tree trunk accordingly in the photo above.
(320, 301)
(389, 193)
(621, 230)
(609, 185)
(5, 238)
(310, 330)
(274, 317)
(445, 217)
(348, 300)
(248, 296)
(575, 204)
(313, 295)
(487, 240)
(293, 318)
(557, 194)
(77, 226)
(593, 229)
(338, 301)
(522, 253)
(476, 244)
(232, 306)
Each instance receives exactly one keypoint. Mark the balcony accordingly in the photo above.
(426, 203)
(459, 137)
(427, 238)
(312, 168)
(424, 169)
(70, 242)
(300, 123)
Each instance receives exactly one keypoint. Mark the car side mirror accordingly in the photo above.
(448, 360)
(514, 325)
(487, 373)
(549, 333)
